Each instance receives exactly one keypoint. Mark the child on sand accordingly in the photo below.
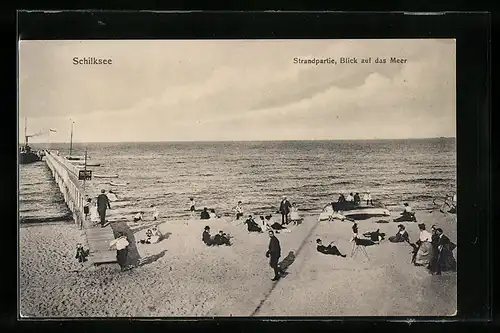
(81, 254)
(192, 207)
(239, 210)
(138, 217)
(155, 213)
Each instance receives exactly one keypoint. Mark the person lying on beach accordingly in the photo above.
(375, 236)
(252, 225)
(81, 253)
(276, 226)
(149, 234)
(330, 249)
(138, 217)
(204, 214)
(401, 236)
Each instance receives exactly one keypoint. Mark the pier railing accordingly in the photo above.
(66, 177)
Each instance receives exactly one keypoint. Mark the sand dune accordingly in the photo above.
(180, 276)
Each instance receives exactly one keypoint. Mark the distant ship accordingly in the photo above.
(26, 154)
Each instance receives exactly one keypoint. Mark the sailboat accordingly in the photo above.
(78, 160)
(26, 154)
(72, 157)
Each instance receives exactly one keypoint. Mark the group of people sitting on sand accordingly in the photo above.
(219, 239)
(433, 250)
(207, 214)
(153, 236)
(356, 198)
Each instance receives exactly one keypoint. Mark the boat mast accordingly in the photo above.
(71, 139)
(26, 131)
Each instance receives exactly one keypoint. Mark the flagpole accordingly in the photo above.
(85, 170)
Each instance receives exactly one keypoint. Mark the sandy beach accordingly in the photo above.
(180, 276)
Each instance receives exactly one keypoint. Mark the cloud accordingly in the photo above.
(239, 90)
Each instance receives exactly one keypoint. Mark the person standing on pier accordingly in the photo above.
(102, 205)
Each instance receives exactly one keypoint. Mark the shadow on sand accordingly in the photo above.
(287, 261)
(152, 258)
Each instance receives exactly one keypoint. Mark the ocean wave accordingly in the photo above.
(424, 180)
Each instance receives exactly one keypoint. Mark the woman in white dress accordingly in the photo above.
(94, 214)
(424, 252)
(294, 214)
(155, 212)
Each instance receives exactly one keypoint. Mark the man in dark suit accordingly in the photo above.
(274, 253)
(285, 210)
(102, 205)
(445, 260)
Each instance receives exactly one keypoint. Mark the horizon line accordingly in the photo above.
(283, 140)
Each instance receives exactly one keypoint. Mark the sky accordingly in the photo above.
(218, 90)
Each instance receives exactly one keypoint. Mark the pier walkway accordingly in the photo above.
(66, 177)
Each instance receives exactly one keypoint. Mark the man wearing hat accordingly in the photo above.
(285, 210)
(102, 205)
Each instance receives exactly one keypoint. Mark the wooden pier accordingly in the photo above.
(66, 176)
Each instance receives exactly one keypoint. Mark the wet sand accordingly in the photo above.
(180, 276)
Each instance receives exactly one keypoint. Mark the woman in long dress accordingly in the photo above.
(94, 214)
(294, 214)
(424, 252)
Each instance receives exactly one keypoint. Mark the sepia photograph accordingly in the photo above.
(237, 178)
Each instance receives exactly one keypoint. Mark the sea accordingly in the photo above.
(219, 174)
